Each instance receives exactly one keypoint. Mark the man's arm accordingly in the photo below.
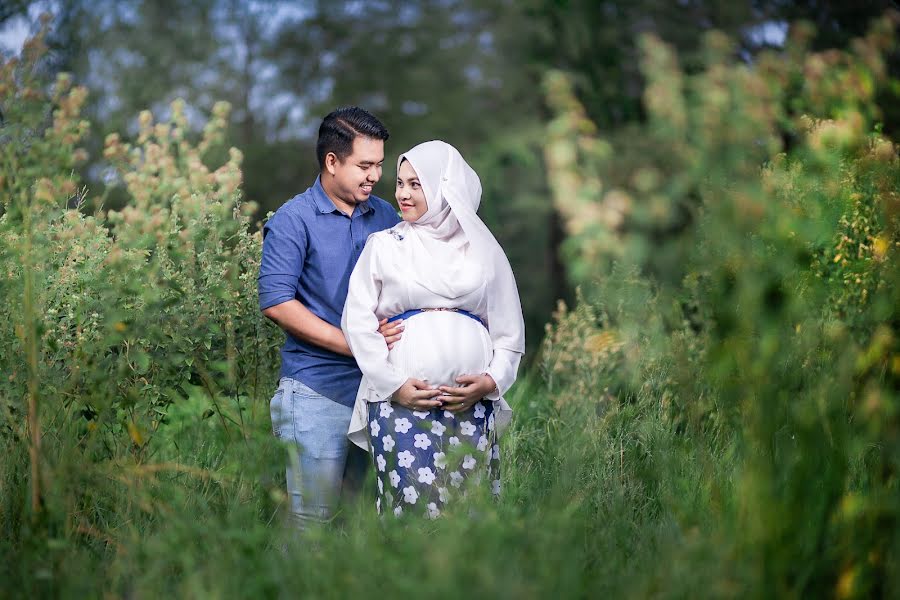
(301, 323)
(283, 258)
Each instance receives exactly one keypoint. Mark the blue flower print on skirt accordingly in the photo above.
(423, 458)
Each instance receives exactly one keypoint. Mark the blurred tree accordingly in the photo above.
(438, 69)
(595, 41)
(429, 69)
(465, 71)
(13, 8)
(836, 24)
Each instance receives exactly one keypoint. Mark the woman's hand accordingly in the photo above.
(391, 331)
(417, 395)
(474, 388)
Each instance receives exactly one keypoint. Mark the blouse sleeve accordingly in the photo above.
(360, 324)
(503, 368)
(505, 361)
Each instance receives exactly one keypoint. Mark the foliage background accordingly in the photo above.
(715, 411)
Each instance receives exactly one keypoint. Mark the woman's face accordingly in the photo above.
(409, 194)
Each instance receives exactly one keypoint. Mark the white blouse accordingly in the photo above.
(436, 346)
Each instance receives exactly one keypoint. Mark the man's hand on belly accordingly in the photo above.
(303, 324)
(473, 389)
(392, 332)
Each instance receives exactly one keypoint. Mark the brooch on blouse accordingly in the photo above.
(396, 235)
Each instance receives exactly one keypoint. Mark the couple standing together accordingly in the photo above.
(401, 335)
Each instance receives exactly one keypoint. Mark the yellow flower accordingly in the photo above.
(44, 191)
(846, 584)
(135, 433)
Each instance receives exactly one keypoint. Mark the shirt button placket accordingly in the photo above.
(356, 235)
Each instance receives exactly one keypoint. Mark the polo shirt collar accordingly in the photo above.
(326, 205)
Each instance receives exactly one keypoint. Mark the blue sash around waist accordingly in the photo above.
(416, 311)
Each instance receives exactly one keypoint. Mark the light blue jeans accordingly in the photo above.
(315, 431)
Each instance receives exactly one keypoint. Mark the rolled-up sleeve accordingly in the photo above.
(283, 255)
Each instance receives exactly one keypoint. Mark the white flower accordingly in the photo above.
(398, 511)
(479, 411)
(378, 505)
(402, 425)
(405, 459)
(410, 495)
(495, 452)
(495, 486)
(456, 479)
(421, 414)
(454, 441)
(437, 428)
(491, 422)
(426, 475)
(422, 441)
(395, 478)
(388, 442)
(440, 460)
(381, 462)
(467, 428)
(433, 511)
(468, 461)
(482, 443)
(380, 485)
(443, 494)
(448, 414)
(375, 428)
(385, 410)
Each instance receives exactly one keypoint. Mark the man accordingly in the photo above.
(310, 247)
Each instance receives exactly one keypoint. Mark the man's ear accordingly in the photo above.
(331, 160)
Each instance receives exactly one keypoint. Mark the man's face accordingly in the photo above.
(354, 177)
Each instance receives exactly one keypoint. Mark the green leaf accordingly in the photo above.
(141, 361)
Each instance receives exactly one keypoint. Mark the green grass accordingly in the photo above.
(619, 506)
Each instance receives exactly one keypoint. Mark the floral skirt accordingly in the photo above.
(423, 459)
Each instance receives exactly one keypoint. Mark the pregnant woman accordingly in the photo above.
(431, 405)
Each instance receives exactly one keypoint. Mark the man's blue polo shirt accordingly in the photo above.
(309, 251)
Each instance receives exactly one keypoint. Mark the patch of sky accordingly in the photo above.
(473, 73)
(413, 108)
(16, 30)
(769, 33)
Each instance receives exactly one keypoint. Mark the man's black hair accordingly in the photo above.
(342, 126)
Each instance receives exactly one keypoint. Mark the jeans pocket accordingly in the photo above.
(280, 416)
(306, 408)
(319, 424)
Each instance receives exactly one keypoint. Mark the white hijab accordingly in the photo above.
(453, 251)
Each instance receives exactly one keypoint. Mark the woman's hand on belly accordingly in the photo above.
(417, 395)
(473, 389)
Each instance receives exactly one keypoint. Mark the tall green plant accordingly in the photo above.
(107, 319)
(747, 268)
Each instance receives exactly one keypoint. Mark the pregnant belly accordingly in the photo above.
(439, 346)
